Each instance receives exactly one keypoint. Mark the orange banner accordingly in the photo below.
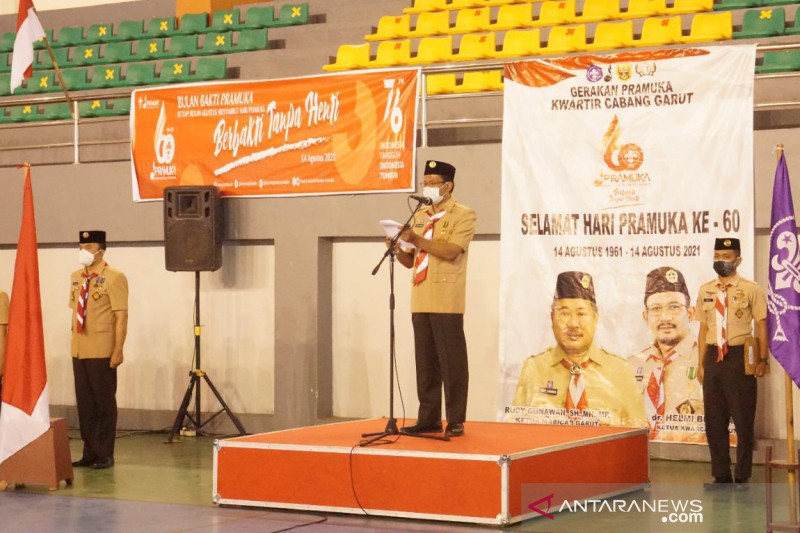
(338, 134)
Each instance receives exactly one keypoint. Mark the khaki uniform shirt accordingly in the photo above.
(107, 293)
(444, 287)
(683, 393)
(3, 322)
(746, 302)
(611, 389)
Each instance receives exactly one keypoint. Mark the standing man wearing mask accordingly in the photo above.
(727, 307)
(441, 235)
(99, 302)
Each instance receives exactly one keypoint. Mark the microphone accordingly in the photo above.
(424, 200)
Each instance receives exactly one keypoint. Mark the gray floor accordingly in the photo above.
(158, 487)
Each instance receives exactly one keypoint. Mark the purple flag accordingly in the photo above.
(783, 319)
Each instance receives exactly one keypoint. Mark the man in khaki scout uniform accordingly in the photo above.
(590, 384)
(99, 301)
(3, 335)
(441, 235)
(666, 371)
(726, 309)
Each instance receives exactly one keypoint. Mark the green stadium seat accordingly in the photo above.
(118, 53)
(759, 23)
(4, 118)
(5, 84)
(92, 108)
(5, 63)
(292, 15)
(130, 30)
(183, 46)
(161, 27)
(175, 71)
(211, 68)
(218, 43)
(150, 49)
(40, 43)
(225, 20)
(193, 23)
(7, 41)
(795, 28)
(106, 76)
(119, 107)
(59, 111)
(45, 61)
(25, 113)
(86, 54)
(69, 36)
(779, 61)
(767, 3)
(252, 40)
(75, 78)
(99, 33)
(736, 4)
(42, 81)
(259, 17)
(140, 74)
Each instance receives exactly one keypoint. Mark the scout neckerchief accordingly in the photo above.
(576, 393)
(81, 314)
(421, 263)
(654, 399)
(721, 306)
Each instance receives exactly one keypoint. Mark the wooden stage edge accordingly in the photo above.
(483, 477)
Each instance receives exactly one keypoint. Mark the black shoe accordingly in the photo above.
(83, 461)
(454, 430)
(720, 483)
(108, 462)
(422, 428)
(741, 485)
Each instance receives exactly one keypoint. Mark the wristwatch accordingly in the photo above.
(764, 360)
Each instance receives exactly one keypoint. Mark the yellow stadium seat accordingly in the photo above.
(472, 20)
(433, 50)
(429, 24)
(350, 57)
(690, 6)
(391, 53)
(424, 6)
(440, 83)
(710, 27)
(565, 39)
(610, 35)
(476, 82)
(465, 4)
(476, 46)
(644, 8)
(521, 43)
(391, 27)
(661, 31)
(513, 16)
(555, 12)
(501, 2)
(599, 10)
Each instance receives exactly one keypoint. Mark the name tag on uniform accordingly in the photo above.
(549, 389)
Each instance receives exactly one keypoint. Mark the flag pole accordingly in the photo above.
(58, 73)
(790, 446)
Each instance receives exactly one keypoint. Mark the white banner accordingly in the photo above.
(619, 171)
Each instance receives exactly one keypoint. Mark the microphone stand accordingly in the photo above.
(391, 426)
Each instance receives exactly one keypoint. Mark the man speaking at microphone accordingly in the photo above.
(441, 234)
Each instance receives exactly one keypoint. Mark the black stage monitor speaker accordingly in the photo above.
(193, 228)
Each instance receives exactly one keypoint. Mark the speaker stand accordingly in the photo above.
(194, 384)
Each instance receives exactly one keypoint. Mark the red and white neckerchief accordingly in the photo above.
(655, 398)
(421, 263)
(721, 307)
(576, 392)
(81, 314)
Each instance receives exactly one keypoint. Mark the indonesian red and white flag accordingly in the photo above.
(25, 413)
(29, 30)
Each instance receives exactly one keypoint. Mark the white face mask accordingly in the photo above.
(85, 257)
(433, 193)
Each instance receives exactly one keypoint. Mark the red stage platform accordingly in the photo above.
(475, 478)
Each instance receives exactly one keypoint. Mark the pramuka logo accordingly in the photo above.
(624, 160)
